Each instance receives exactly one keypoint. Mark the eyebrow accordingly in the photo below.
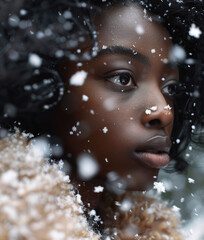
(124, 51)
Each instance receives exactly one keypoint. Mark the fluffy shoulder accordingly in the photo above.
(37, 200)
(141, 216)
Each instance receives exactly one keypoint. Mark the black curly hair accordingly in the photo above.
(36, 35)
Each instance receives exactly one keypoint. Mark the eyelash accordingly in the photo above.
(117, 80)
(170, 89)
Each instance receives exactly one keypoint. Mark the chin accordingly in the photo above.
(126, 184)
(141, 180)
(135, 186)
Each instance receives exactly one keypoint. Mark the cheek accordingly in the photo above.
(112, 134)
(105, 117)
(109, 119)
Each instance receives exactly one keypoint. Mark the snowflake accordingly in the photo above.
(191, 180)
(105, 130)
(109, 104)
(175, 208)
(60, 164)
(78, 78)
(23, 12)
(139, 29)
(79, 64)
(92, 213)
(178, 140)
(177, 54)
(35, 60)
(195, 31)
(74, 128)
(182, 200)
(67, 15)
(92, 112)
(148, 112)
(98, 189)
(159, 186)
(85, 98)
(167, 107)
(125, 205)
(87, 166)
(154, 108)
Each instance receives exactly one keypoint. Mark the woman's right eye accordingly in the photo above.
(122, 80)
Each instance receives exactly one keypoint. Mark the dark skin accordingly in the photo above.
(124, 80)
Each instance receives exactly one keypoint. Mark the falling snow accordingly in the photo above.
(190, 180)
(126, 205)
(195, 31)
(85, 98)
(178, 140)
(153, 108)
(159, 186)
(109, 104)
(148, 111)
(78, 78)
(175, 208)
(139, 29)
(87, 166)
(193, 127)
(177, 54)
(92, 112)
(92, 212)
(98, 189)
(167, 107)
(35, 60)
(105, 130)
(74, 128)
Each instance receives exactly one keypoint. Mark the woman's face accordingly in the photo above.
(127, 119)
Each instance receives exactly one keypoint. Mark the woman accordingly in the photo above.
(118, 108)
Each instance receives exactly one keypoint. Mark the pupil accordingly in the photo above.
(124, 79)
(172, 90)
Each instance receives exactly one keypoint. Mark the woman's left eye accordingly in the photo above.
(170, 89)
(122, 79)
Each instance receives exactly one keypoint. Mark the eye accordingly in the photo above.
(122, 79)
(170, 89)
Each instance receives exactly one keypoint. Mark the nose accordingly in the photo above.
(159, 114)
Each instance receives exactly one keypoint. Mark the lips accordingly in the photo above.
(154, 151)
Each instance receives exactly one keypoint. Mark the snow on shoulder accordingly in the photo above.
(141, 216)
(36, 199)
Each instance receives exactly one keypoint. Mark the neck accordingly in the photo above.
(91, 191)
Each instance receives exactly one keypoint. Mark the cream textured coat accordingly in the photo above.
(37, 201)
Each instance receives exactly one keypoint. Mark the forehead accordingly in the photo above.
(132, 27)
